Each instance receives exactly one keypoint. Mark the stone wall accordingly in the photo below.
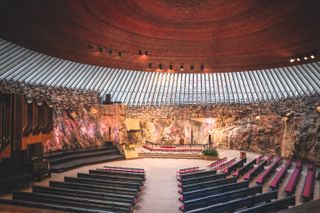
(87, 127)
(290, 127)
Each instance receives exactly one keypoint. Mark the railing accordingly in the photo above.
(173, 146)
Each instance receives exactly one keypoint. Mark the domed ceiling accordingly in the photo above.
(221, 35)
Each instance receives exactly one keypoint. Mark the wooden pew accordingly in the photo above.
(294, 178)
(209, 177)
(129, 174)
(244, 169)
(259, 159)
(218, 162)
(212, 190)
(125, 169)
(116, 175)
(280, 175)
(197, 174)
(103, 182)
(94, 187)
(73, 202)
(236, 165)
(255, 171)
(104, 177)
(308, 187)
(273, 206)
(85, 194)
(232, 205)
(219, 198)
(187, 171)
(55, 206)
(267, 173)
(221, 167)
(206, 184)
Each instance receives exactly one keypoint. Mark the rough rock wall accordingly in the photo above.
(87, 127)
(290, 127)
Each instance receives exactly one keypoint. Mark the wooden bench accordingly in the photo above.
(308, 187)
(197, 174)
(212, 190)
(73, 201)
(129, 174)
(206, 184)
(105, 177)
(124, 169)
(255, 171)
(55, 206)
(17, 180)
(294, 178)
(218, 162)
(236, 165)
(232, 205)
(219, 198)
(212, 176)
(103, 182)
(221, 167)
(94, 187)
(244, 169)
(188, 171)
(116, 175)
(273, 206)
(267, 173)
(280, 175)
(85, 194)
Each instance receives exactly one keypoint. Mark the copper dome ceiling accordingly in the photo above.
(224, 35)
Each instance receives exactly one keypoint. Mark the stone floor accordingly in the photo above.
(160, 190)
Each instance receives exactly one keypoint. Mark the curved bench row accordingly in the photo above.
(100, 190)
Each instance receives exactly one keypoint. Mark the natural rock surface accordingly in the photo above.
(290, 127)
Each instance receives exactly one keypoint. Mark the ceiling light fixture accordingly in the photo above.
(305, 58)
(312, 56)
(202, 67)
(181, 67)
(298, 59)
(150, 65)
(140, 52)
(170, 66)
(292, 60)
(160, 66)
(119, 54)
(110, 51)
(191, 67)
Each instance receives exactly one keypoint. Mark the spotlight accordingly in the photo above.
(100, 49)
(150, 65)
(170, 67)
(181, 67)
(110, 51)
(292, 60)
(305, 58)
(312, 56)
(119, 54)
(191, 67)
(202, 67)
(146, 52)
(160, 66)
(298, 59)
(140, 52)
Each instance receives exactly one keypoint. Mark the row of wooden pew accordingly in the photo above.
(204, 190)
(108, 189)
(264, 174)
